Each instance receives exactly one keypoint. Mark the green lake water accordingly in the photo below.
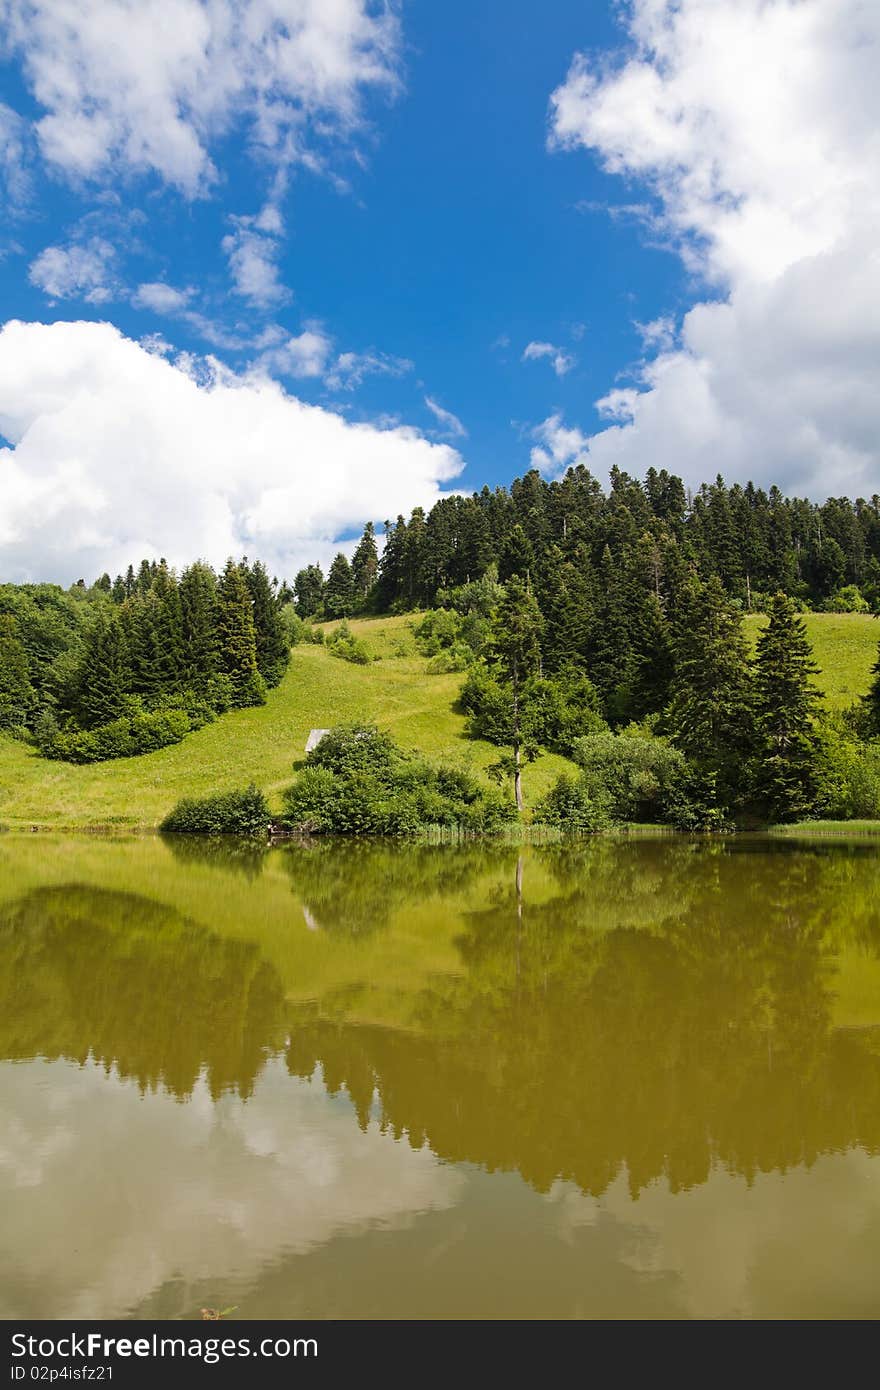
(621, 1078)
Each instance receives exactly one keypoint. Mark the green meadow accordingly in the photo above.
(261, 745)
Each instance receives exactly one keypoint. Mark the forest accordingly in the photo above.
(605, 625)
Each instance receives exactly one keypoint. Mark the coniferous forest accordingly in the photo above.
(606, 625)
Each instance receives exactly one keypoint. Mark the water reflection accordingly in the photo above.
(90, 973)
(361, 1034)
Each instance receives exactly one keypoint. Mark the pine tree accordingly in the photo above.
(273, 648)
(785, 776)
(710, 710)
(308, 588)
(517, 557)
(17, 695)
(238, 643)
(339, 589)
(365, 563)
(199, 616)
(104, 672)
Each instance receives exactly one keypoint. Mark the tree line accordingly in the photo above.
(130, 665)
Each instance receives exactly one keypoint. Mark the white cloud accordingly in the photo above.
(161, 298)
(561, 361)
(559, 446)
(118, 452)
(252, 249)
(756, 126)
(657, 334)
(78, 271)
(449, 423)
(303, 355)
(350, 368)
(148, 85)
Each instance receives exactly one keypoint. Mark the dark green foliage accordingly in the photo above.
(121, 738)
(710, 713)
(199, 618)
(784, 772)
(569, 807)
(229, 813)
(358, 782)
(238, 643)
(273, 648)
(339, 594)
(17, 695)
(308, 588)
(365, 564)
(105, 674)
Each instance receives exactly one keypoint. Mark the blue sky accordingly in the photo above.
(493, 236)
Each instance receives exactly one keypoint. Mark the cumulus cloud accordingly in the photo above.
(148, 85)
(558, 447)
(449, 423)
(560, 361)
(755, 125)
(78, 271)
(118, 452)
(301, 355)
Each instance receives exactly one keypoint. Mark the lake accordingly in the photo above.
(625, 1077)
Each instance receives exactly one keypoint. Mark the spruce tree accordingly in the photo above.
(710, 712)
(308, 588)
(104, 672)
(238, 643)
(365, 563)
(784, 771)
(273, 648)
(339, 589)
(199, 615)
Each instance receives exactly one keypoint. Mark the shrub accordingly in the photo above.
(848, 774)
(569, 806)
(849, 599)
(633, 776)
(358, 782)
(347, 647)
(229, 813)
(122, 738)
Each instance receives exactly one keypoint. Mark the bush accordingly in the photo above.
(358, 782)
(847, 600)
(347, 647)
(229, 813)
(848, 775)
(633, 776)
(122, 738)
(569, 806)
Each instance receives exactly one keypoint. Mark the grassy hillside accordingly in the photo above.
(845, 647)
(319, 690)
(259, 744)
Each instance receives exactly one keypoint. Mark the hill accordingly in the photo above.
(319, 690)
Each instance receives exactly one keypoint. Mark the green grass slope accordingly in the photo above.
(259, 745)
(845, 648)
(319, 690)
